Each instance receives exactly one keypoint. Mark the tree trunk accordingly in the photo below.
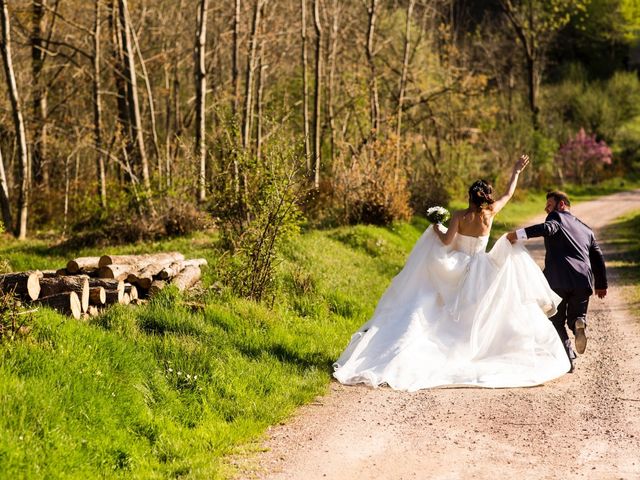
(67, 303)
(131, 291)
(56, 285)
(532, 79)
(114, 296)
(114, 271)
(18, 122)
(38, 45)
(147, 83)
(373, 80)
(305, 86)
(249, 79)
(317, 121)
(235, 67)
(82, 264)
(156, 286)
(176, 267)
(97, 110)
(24, 284)
(5, 204)
(201, 96)
(107, 284)
(141, 260)
(260, 98)
(130, 75)
(187, 278)
(403, 77)
(97, 296)
(333, 41)
(123, 134)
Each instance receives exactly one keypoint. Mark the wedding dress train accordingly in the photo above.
(457, 315)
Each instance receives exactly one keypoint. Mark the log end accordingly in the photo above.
(33, 285)
(104, 261)
(73, 267)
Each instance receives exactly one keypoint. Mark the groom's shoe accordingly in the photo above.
(580, 337)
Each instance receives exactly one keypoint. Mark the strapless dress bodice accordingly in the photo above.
(470, 245)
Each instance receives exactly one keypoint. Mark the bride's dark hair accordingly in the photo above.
(481, 194)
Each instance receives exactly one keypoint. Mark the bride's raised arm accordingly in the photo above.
(520, 165)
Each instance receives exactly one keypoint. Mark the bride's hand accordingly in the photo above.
(522, 163)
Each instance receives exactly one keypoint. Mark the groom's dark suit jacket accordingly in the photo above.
(573, 260)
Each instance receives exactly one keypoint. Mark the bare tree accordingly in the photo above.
(305, 86)
(38, 52)
(18, 121)
(373, 79)
(262, 74)
(317, 121)
(249, 79)
(147, 83)
(403, 76)
(235, 68)
(122, 133)
(97, 109)
(129, 71)
(333, 47)
(5, 205)
(201, 95)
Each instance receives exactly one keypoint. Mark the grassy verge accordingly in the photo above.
(166, 389)
(169, 388)
(624, 264)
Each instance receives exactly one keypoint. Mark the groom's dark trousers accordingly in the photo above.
(574, 267)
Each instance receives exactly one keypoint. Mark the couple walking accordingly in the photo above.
(457, 315)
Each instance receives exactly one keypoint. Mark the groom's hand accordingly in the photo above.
(512, 237)
(601, 292)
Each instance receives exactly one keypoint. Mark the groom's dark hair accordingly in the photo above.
(557, 195)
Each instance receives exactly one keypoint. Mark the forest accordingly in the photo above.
(128, 120)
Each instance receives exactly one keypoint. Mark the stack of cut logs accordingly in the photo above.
(90, 283)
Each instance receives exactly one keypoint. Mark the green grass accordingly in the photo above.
(167, 389)
(624, 264)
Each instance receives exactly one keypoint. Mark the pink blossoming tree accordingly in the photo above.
(583, 158)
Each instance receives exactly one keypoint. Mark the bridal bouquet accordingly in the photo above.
(437, 215)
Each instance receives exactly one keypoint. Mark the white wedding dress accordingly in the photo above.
(456, 315)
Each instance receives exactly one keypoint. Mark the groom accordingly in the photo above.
(573, 265)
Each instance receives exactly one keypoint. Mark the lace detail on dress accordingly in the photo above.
(470, 245)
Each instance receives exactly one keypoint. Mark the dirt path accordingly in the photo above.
(583, 425)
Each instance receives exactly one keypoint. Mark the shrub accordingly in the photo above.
(371, 186)
(583, 157)
(13, 318)
(172, 216)
(256, 222)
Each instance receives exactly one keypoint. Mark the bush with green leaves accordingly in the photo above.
(256, 219)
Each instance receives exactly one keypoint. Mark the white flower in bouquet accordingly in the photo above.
(438, 215)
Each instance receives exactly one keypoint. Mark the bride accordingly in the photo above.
(457, 315)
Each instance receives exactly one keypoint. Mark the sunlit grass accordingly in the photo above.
(625, 260)
(168, 388)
